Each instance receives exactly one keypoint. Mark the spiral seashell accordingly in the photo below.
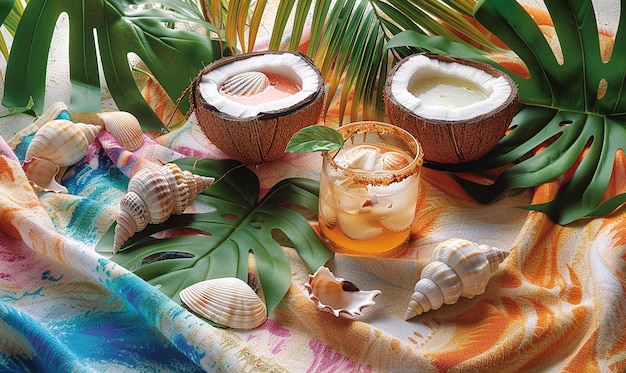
(248, 83)
(154, 195)
(336, 295)
(56, 145)
(458, 268)
(227, 301)
(125, 127)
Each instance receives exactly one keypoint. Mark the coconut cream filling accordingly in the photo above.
(288, 65)
(421, 68)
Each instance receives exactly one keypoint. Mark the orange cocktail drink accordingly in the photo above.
(368, 190)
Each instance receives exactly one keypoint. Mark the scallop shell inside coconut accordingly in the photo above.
(228, 301)
(457, 108)
(249, 105)
(338, 296)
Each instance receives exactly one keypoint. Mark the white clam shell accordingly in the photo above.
(327, 213)
(227, 301)
(125, 127)
(392, 161)
(362, 157)
(153, 196)
(248, 83)
(458, 268)
(358, 226)
(338, 296)
(56, 145)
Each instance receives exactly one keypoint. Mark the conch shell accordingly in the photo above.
(227, 301)
(336, 295)
(56, 145)
(459, 268)
(154, 195)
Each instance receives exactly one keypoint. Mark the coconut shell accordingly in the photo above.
(454, 141)
(261, 138)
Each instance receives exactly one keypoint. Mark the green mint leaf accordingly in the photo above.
(316, 138)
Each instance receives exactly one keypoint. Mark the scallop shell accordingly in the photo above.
(400, 220)
(392, 161)
(336, 295)
(358, 226)
(362, 157)
(327, 213)
(56, 145)
(227, 301)
(154, 195)
(248, 83)
(125, 127)
(458, 268)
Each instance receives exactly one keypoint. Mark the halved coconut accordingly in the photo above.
(249, 105)
(458, 109)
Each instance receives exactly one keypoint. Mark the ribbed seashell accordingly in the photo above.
(56, 145)
(327, 213)
(248, 83)
(362, 157)
(458, 268)
(125, 127)
(227, 301)
(62, 142)
(154, 195)
(336, 295)
(392, 161)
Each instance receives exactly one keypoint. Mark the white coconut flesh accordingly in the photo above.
(448, 91)
(289, 66)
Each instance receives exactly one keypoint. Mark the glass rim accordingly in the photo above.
(387, 178)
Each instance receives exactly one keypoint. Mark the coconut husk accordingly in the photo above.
(458, 141)
(261, 138)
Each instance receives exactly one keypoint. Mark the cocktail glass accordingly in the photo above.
(369, 190)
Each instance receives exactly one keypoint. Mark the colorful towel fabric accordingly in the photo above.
(556, 303)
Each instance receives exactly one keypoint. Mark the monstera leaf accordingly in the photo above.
(240, 224)
(571, 121)
(114, 28)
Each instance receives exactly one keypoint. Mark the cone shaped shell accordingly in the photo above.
(153, 196)
(451, 135)
(259, 134)
(226, 301)
(458, 268)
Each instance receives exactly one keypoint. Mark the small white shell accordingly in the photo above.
(125, 127)
(227, 301)
(358, 226)
(362, 157)
(56, 145)
(336, 295)
(459, 268)
(154, 195)
(327, 213)
(392, 161)
(247, 83)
